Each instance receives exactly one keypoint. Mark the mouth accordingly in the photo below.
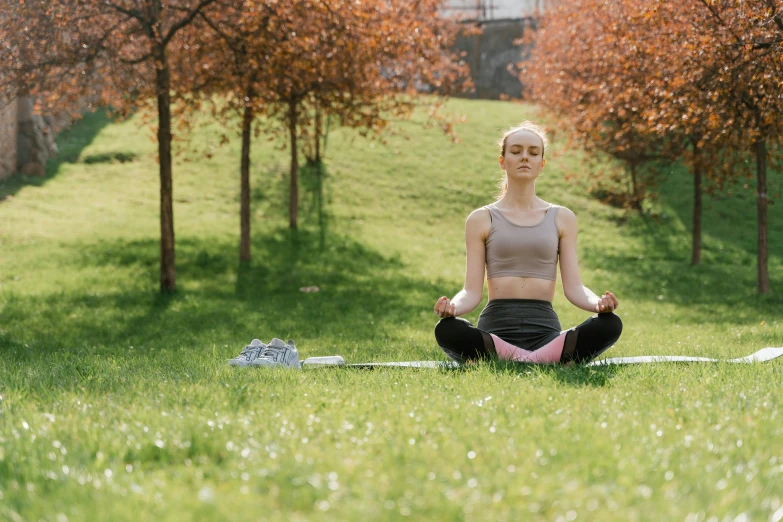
(525, 167)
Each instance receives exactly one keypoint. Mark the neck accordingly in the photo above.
(521, 196)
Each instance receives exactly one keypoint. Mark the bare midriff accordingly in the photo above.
(515, 287)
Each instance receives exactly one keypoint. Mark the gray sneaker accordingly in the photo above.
(248, 354)
(278, 353)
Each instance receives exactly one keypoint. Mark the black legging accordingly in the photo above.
(462, 341)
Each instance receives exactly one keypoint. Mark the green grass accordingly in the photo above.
(116, 402)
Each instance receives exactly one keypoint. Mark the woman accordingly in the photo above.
(519, 239)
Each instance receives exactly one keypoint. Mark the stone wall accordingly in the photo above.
(26, 139)
(8, 132)
(35, 140)
(490, 53)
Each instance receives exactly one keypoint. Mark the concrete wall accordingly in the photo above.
(493, 9)
(491, 52)
(8, 132)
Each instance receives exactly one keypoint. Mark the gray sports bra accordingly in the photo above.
(526, 251)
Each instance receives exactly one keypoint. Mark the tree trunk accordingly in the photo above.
(326, 132)
(317, 133)
(244, 197)
(636, 201)
(294, 207)
(761, 205)
(168, 278)
(697, 207)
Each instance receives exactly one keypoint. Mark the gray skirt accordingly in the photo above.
(526, 323)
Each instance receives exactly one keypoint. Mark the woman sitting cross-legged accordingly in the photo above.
(519, 240)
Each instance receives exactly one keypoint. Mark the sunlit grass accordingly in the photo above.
(117, 403)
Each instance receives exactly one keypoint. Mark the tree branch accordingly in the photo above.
(776, 16)
(136, 61)
(229, 40)
(138, 15)
(716, 15)
(186, 20)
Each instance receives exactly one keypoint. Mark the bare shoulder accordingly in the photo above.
(565, 220)
(478, 222)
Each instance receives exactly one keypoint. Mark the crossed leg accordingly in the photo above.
(461, 341)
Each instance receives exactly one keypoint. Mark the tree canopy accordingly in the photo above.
(697, 81)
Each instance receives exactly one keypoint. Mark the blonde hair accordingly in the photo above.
(526, 125)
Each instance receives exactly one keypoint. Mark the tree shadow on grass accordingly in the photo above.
(720, 290)
(714, 293)
(729, 218)
(363, 299)
(70, 143)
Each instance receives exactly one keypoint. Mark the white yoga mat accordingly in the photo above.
(763, 355)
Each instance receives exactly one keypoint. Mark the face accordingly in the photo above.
(524, 157)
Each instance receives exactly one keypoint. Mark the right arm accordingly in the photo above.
(476, 230)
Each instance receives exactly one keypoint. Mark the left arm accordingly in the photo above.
(576, 292)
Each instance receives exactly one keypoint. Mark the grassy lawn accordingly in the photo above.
(116, 403)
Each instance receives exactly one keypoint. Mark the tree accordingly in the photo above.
(723, 91)
(691, 76)
(677, 107)
(585, 68)
(229, 73)
(359, 64)
(362, 64)
(121, 48)
(747, 40)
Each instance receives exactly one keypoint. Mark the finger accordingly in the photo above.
(452, 310)
(614, 300)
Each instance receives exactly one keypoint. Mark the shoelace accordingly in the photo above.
(249, 350)
(270, 352)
